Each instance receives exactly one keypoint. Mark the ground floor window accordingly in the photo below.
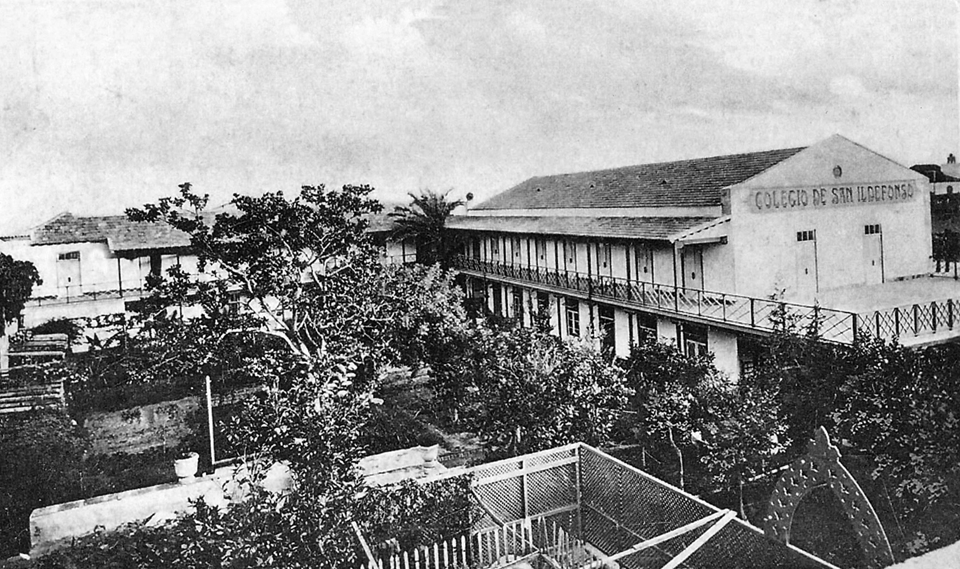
(517, 304)
(477, 288)
(694, 339)
(475, 304)
(497, 300)
(543, 304)
(646, 326)
(749, 352)
(608, 342)
(573, 317)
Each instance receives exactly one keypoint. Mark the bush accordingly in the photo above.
(298, 529)
(60, 326)
(42, 464)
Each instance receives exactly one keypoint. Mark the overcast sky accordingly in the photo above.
(111, 103)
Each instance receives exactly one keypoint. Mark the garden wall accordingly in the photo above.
(55, 526)
(141, 428)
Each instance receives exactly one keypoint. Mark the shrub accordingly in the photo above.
(60, 326)
(42, 454)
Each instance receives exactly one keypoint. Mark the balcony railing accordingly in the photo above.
(86, 293)
(910, 320)
(731, 309)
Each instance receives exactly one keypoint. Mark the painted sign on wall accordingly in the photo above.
(804, 198)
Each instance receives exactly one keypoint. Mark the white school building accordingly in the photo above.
(694, 251)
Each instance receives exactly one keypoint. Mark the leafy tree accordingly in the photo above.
(531, 390)
(742, 436)
(734, 429)
(303, 266)
(426, 314)
(902, 408)
(666, 384)
(805, 373)
(17, 279)
(424, 219)
(303, 272)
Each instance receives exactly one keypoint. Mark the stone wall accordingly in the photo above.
(141, 428)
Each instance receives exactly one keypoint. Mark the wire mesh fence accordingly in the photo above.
(576, 507)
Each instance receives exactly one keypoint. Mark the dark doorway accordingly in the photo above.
(608, 331)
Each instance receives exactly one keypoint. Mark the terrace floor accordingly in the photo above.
(868, 298)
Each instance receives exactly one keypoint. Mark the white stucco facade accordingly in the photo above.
(817, 224)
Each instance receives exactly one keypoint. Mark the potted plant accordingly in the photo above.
(186, 465)
(430, 454)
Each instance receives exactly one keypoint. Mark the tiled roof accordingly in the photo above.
(686, 183)
(380, 222)
(653, 228)
(120, 233)
(934, 173)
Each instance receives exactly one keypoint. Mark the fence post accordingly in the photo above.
(213, 457)
(916, 319)
(753, 319)
(523, 486)
(933, 311)
(950, 313)
(579, 484)
(856, 319)
(896, 322)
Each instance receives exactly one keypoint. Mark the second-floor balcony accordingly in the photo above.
(92, 292)
(911, 323)
(731, 310)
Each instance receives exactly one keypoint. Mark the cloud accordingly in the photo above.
(107, 104)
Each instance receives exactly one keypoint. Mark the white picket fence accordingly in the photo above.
(490, 547)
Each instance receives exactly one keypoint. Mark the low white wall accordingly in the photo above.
(55, 526)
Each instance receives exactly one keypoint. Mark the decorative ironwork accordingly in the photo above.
(821, 467)
(835, 325)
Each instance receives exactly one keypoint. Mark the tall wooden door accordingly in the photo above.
(691, 259)
(872, 254)
(806, 264)
(68, 273)
(644, 264)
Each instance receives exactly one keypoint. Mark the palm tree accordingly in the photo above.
(424, 220)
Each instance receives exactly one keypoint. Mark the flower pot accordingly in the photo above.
(186, 466)
(430, 454)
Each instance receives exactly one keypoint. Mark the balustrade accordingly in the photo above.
(763, 314)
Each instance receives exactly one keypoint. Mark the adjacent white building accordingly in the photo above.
(693, 251)
(94, 266)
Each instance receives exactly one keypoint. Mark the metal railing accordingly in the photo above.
(732, 309)
(399, 259)
(86, 293)
(90, 292)
(910, 320)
